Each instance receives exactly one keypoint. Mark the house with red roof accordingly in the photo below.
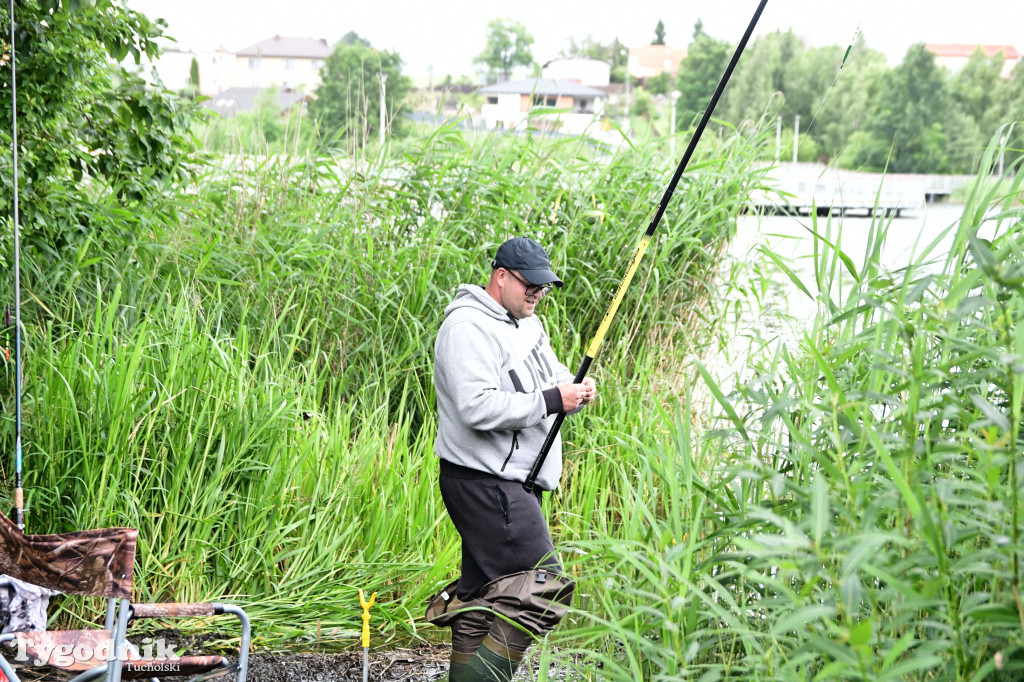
(954, 56)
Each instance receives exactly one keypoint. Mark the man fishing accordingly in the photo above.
(498, 387)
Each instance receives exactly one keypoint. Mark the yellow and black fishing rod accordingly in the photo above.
(634, 263)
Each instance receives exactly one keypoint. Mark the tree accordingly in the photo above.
(972, 91)
(347, 102)
(659, 33)
(846, 107)
(89, 131)
(660, 84)
(508, 46)
(642, 106)
(907, 117)
(699, 73)
(589, 49)
(193, 77)
(779, 77)
(1008, 106)
(620, 62)
(353, 38)
(769, 75)
(974, 86)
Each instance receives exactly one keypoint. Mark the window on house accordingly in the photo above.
(317, 63)
(289, 64)
(542, 101)
(492, 99)
(254, 64)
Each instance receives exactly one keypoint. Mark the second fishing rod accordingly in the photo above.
(645, 240)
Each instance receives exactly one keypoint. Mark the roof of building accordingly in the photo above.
(574, 59)
(279, 46)
(542, 86)
(965, 51)
(236, 100)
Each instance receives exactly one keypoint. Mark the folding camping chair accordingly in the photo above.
(100, 563)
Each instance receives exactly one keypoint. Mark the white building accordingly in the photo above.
(590, 72)
(283, 62)
(563, 106)
(648, 61)
(956, 55)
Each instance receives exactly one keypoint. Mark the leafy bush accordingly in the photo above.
(88, 131)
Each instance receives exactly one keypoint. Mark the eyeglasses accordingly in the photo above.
(531, 289)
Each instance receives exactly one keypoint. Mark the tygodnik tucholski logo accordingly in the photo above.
(154, 654)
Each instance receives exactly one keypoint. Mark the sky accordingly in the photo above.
(441, 38)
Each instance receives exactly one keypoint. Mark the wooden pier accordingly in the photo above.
(806, 187)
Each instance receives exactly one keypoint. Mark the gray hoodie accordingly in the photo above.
(496, 380)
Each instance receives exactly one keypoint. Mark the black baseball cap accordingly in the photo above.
(529, 258)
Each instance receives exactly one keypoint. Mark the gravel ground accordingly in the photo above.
(424, 662)
(420, 663)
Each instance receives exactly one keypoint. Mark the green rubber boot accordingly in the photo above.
(468, 630)
(458, 665)
(499, 654)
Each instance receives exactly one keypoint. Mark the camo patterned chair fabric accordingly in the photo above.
(97, 563)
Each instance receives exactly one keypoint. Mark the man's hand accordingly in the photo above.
(575, 395)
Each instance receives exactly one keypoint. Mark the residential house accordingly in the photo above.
(285, 62)
(653, 60)
(542, 103)
(954, 56)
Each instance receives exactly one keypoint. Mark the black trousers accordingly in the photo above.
(502, 527)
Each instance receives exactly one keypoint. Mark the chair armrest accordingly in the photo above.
(174, 610)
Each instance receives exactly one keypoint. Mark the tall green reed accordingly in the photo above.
(249, 380)
(859, 515)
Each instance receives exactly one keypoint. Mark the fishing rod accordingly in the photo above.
(634, 263)
(846, 55)
(19, 495)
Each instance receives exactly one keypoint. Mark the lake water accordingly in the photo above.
(790, 233)
(765, 308)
